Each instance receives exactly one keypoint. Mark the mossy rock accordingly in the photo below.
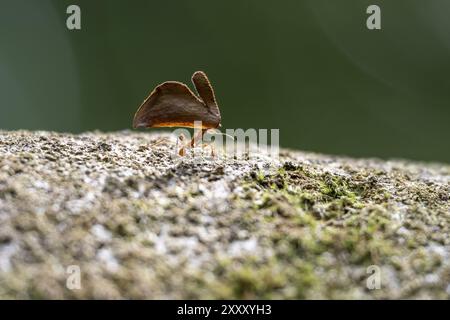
(140, 223)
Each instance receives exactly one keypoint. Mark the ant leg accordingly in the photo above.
(194, 140)
(198, 137)
(211, 146)
(182, 151)
(213, 151)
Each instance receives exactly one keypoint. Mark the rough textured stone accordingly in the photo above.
(141, 224)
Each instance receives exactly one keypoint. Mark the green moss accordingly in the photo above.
(253, 279)
(336, 187)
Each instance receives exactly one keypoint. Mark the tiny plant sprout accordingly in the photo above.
(173, 104)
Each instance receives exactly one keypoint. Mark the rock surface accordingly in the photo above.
(140, 224)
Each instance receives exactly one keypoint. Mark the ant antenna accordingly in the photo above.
(223, 134)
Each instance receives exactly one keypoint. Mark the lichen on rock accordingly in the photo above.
(141, 224)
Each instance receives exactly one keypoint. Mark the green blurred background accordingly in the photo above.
(310, 68)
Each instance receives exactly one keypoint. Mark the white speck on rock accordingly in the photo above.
(431, 279)
(106, 256)
(160, 198)
(6, 252)
(402, 231)
(77, 205)
(40, 184)
(160, 241)
(442, 251)
(242, 247)
(101, 233)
